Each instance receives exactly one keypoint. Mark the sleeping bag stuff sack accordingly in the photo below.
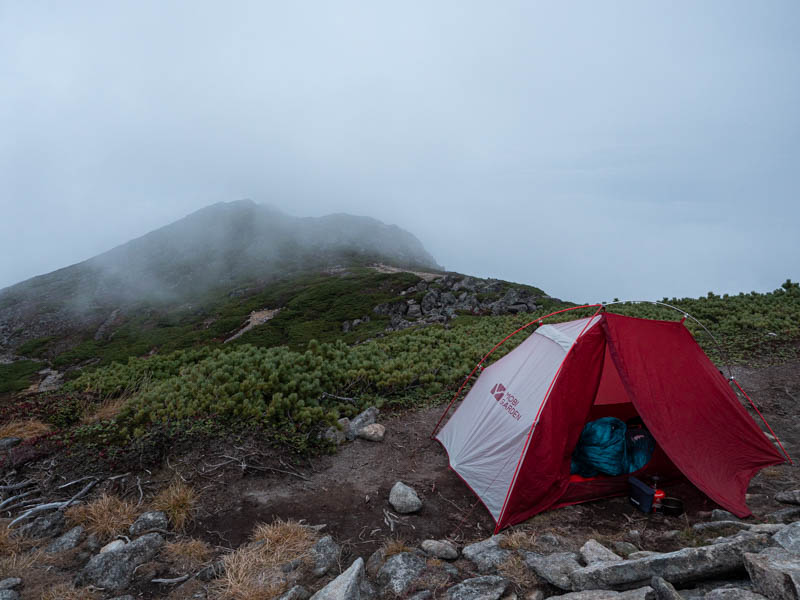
(641, 445)
(602, 448)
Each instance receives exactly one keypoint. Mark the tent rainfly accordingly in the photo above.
(512, 438)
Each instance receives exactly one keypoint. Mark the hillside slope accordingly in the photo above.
(205, 255)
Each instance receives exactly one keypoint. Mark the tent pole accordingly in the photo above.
(758, 412)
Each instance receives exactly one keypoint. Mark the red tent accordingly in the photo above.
(511, 440)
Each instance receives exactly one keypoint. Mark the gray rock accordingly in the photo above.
(642, 554)
(67, 541)
(775, 573)
(593, 551)
(723, 515)
(683, 565)
(367, 417)
(114, 570)
(154, 519)
(440, 549)
(719, 526)
(9, 595)
(786, 497)
(785, 515)
(212, 571)
(642, 593)
(789, 537)
(553, 568)
(7, 443)
(46, 526)
(10, 582)
(113, 546)
(733, 593)
(334, 435)
(429, 301)
(536, 594)
(404, 499)
(634, 536)
(325, 554)
(624, 548)
(372, 433)
(550, 542)
(768, 528)
(664, 589)
(346, 586)
(488, 587)
(375, 562)
(487, 554)
(424, 595)
(414, 312)
(93, 543)
(298, 592)
(125, 597)
(397, 573)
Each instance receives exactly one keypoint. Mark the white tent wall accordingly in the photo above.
(486, 435)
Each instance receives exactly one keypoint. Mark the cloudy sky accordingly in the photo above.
(597, 150)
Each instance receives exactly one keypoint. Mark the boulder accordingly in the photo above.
(372, 433)
(624, 548)
(554, 568)
(114, 570)
(367, 417)
(593, 551)
(664, 589)
(46, 526)
(10, 583)
(733, 593)
(642, 554)
(429, 301)
(325, 555)
(346, 586)
(404, 499)
(67, 541)
(775, 573)
(154, 519)
(723, 515)
(719, 526)
(785, 515)
(687, 564)
(487, 554)
(298, 592)
(397, 573)
(488, 587)
(642, 593)
(440, 549)
(789, 537)
(414, 312)
(786, 497)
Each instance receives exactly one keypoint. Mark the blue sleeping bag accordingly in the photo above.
(608, 447)
(602, 448)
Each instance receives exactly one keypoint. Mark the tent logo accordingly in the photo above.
(498, 391)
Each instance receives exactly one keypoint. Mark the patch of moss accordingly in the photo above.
(17, 376)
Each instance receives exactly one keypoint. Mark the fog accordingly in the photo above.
(632, 150)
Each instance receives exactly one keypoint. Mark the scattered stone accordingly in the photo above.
(373, 433)
(487, 554)
(212, 571)
(593, 551)
(325, 554)
(368, 417)
(719, 525)
(683, 565)
(425, 595)
(346, 586)
(624, 548)
(775, 573)
(634, 536)
(67, 541)
(9, 595)
(723, 515)
(404, 499)
(664, 589)
(553, 568)
(334, 435)
(113, 546)
(114, 570)
(46, 526)
(787, 497)
(440, 549)
(298, 592)
(789, 537)
(93, 544)
(550, 542)
(785, 515)
(7, 443)
(732, 593)
(536, 594)
(397, 573)
(375, 562)
(642, 593)
(488, 587)
(10, 583)
(154, 519)
(768, 528)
